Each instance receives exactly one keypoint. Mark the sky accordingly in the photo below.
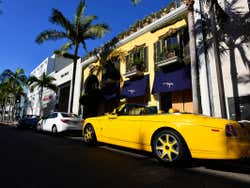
(22, 20)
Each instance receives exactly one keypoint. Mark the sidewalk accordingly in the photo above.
(8, 123)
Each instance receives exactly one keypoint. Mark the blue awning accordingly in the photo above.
(135, 88)
(172, 81)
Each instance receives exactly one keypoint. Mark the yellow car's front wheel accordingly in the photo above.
(169, 147)
(89, 136)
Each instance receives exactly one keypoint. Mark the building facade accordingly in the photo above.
(156, 70)
(59, 68)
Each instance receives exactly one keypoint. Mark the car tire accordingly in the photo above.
(38, 128)
(89, 136)
(169, 148)
(54, 130)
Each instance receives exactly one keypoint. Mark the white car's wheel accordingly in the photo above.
(38, 127)
(54, 130)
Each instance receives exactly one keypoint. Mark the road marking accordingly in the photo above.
(231, 175)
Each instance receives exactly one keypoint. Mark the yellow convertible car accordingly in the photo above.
(172, 137)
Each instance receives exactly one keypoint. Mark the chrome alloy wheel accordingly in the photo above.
(167, 147)
(89, 136)
(88, 133)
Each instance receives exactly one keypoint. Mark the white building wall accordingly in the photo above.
(58, 67)
(81, 65)
(203, 77)
(236, 70)
(33, 96)
(63, 76)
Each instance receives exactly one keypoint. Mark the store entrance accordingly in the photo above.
(180, 100)
(63, 102)
(165, 102)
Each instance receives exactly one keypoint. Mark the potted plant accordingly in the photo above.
(172, 6)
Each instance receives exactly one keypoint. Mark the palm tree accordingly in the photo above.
(43, 82)
(77, 32)
(17, 78)
(4, 94)
(15, 82)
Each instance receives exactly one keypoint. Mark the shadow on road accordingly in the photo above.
(237, 166)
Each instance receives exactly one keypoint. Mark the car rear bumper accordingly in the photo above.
(69, 128)
(231, 149)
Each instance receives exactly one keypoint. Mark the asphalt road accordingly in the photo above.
(29, 159)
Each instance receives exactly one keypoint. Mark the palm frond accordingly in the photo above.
(51, 86)
(64, 49)
(50, 35)
(84, 46)
(79, 13)
(59, 19)
(86, 23)
(97, 31)
(7, 73)
(19, 71)
(67, 55)
(135, 2)
(47, 79)
(88, 19)
(33, 79)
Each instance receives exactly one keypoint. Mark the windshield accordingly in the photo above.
(136, 109)
(69, 115)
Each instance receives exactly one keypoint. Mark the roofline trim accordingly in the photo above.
(146, 29)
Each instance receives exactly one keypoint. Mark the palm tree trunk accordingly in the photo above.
(218, 65)
(14, 109)
(73, 78)
(4, 108)
(192, 48)
(41, 104)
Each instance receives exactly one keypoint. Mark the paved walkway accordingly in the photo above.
(8, 123)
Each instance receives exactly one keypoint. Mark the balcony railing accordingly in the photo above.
(137, 62)
(133, 69)
(167, 57)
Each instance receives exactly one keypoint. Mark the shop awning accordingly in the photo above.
(135, 88)
(172, 81)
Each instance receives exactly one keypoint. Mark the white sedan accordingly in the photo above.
(57, 122)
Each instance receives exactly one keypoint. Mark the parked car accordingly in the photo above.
(28, 122)
(172, 137)
(57, 122)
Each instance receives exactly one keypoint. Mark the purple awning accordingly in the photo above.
(172, 81)
(134, 88)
